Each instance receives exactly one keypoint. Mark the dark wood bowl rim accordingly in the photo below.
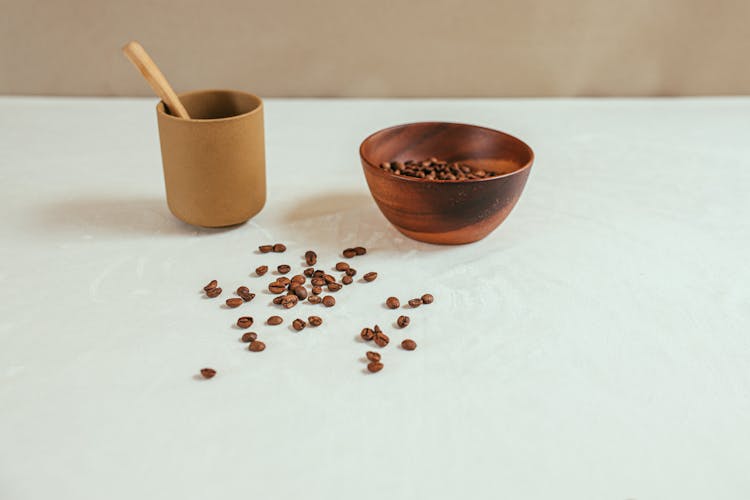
(417, 179)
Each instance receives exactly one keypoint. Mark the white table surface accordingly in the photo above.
(596, 346)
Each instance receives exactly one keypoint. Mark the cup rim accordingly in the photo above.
(457, 181)
(161, 106)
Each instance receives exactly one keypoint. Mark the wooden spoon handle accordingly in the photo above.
(150, 71)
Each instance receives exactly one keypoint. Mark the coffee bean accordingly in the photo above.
(265, 248)
(370, 276)
(392, 303)
(300, 292)
(245, 322)
(373, 356)
(214, 292)
(249, 336)
(298, 324)
(342, 266)
(427, 298)
(349, 253)
(208, 373)
(403, 321)
(328, 278)
(319, 273)
(415, 302)
(432, 169)
(351, 271)
(212, 284)
(275, 320)
(315, 320)
(244, 292)
(277, 300)
(347, 280)
(256, 346)
(276, 287)
(318, 282)
(234, 302)
(261, 270)
(283, 269)
(308, 272)
(311, 258)
(289, 301)
(360, 250)
(279, 248)
(283, 280)
(381, 339)
(409, 344)
(314, 299)
(317, 290)
(375, 366)
(377, 329)
(334, 287)
(367, 333)
(298, 279)
(329, 301)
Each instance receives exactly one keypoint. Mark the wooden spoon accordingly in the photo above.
(150, 71)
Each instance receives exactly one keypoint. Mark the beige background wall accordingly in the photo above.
(381, 48)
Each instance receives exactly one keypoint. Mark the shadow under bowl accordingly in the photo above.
(446, 212)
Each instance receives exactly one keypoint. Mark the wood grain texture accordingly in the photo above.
(446, 212)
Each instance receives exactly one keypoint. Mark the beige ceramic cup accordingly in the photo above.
(214, 163)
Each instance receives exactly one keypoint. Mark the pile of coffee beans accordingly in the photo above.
(433, 169)
(291, 291)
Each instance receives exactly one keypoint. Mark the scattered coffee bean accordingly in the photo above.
(409, 344)
(214, 292)
(249, 336)
(315, 320)
(403, 321)
(329, 301)
(393, 303)
(245, 322)
(261, 270)
(300, 292)
(334, 287)
(208, 373)
(311, 258)
(342, 266)
(360, 250)
(283, 268)
(212, 284)
(244, 292)
(308, 272)
(319, 273)
(415, 302)
(277, 300)
(298, 279)
(289, 301)
(298, 324)
(265, 248)
(373, 356)
(318, 282)
(381, 339)
(377, 329)
(314, 299)
(275, 320)
(370, 276)
(427, 298)
(433, 169)
(283, 280)
(347, 280)
(279, 248)
(367, 333)
(276, 287)
(256, 346)
(328, 278)
(349, 253)
(351, 271)
(317, 290)
(234, 302)
(374, 366)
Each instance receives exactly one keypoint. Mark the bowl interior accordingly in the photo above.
(476, 146)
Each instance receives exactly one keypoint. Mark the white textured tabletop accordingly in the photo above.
(596, 346)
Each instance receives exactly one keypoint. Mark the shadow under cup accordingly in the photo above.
(214, 163)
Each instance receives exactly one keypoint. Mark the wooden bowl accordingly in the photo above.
(446, 212)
